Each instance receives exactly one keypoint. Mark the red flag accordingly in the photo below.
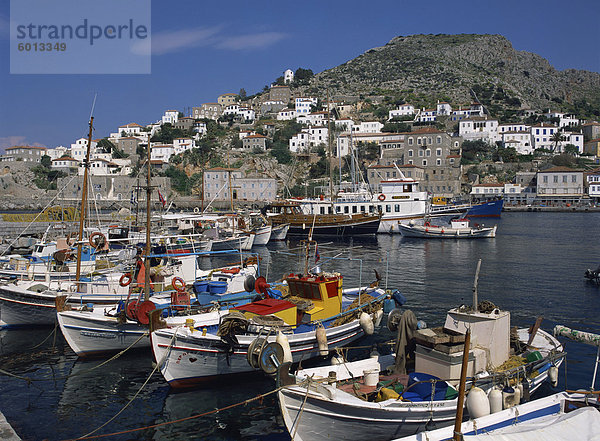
(161, 198)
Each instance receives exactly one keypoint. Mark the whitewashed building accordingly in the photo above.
(343, 141)
(315, 118)
(564, 119)
(181, 145)
(288, 76)
(286, 115)
(487, 191)
(443, 108)
(345, 124)
(475, 128)
(162, 152)
(57, 152)
(519, 140)
(402, 110)
(255, 141)
(303, 105)
(367, 127)
(79, 149)
(307, 138)
(65, 164)
(593, 182)
(170, 116)
(542, 136)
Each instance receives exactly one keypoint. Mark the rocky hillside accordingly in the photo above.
(452, 67)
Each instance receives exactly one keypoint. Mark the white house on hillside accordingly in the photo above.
(57, 152)
(303, 105)
(402, 110)
(161, 152)
(367, 127)
(288, 76)
(180, 145)
(170, 116)
(475, 128)
(79, 148)
(286, 115)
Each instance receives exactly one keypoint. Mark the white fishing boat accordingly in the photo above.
(381, 398)
(279, 232)
(458, 229)
(262, 234)
(349, 401)
(563, 416)
(311, 320)
(93, 329)
(559, 417)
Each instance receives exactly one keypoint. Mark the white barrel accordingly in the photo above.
(478, 404)
(553, 375)
(322, 340)
(285, 344)
(495, 399)
(377, 316)
(371, 377)
(366, 323)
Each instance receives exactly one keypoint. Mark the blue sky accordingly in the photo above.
(202, 49)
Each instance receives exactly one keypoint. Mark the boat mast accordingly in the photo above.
(330, 153)
(147, 259)
(86, 169)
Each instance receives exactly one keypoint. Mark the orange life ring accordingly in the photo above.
(381, 197)
(97, 240)
(125, 279)
(178, 284)
(427, 224)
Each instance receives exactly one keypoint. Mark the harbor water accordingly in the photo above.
(534, 267)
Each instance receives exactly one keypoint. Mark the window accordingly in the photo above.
(418, 141)
(421, 153)
(346, 211)
(388, 208)
(565, 179)
(424, 162)
(410, 153)
(438, 162)
(427, 152)
(410, 141)
(354, 209)
(439, 139)
(573, 178)
(555, 180)
(397, 208)
(438, 152)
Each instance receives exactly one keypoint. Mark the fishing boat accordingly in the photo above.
(555, 417)
(458, 229)
(365, 400)
(306, 316)
(380, 398)
(486, 209)
(279, 232)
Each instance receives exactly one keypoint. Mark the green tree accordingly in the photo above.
(556, 139)
(572, 150)
(281, 151)
(46, 161)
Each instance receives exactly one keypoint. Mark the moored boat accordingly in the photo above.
(458, 229)
(312, 315)
(486, 209)
(371, 399)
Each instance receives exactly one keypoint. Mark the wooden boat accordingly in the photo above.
(300, 224)
(311, 317)
(458, 229)
(344, 401)
(279, 232)
(561, 416)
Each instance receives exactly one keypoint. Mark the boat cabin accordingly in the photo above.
(313, 297)
(460, 223)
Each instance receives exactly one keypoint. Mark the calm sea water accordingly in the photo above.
(533, 267)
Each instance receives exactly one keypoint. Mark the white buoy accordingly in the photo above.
(520, 387)
(285, 344)
(495, 399)
(553, 375)
(366, 323)
(478, 404)
(377, 316)
(517, 396)
(322, 340)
